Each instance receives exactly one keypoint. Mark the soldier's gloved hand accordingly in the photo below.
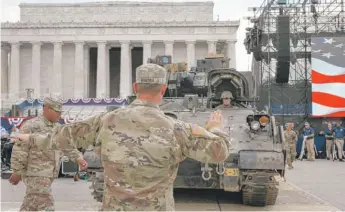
(82, 164)
(14, 179)
(215, 121)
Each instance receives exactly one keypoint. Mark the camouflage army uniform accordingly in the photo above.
(141, 148)
(290, 146)
(36, 167)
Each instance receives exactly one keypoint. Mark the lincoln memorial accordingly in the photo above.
(91, 50)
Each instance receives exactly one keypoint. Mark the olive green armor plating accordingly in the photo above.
(257, 159)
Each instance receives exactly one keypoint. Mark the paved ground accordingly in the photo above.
(322, 178)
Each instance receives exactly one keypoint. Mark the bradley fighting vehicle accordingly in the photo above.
(257, 159)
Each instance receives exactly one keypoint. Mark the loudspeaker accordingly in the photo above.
(283, 72)
(283, 49)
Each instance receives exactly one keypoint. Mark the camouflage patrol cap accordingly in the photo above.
(226, 95)
(151, 74)
(54, 103)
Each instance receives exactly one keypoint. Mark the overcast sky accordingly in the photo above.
(226, 9)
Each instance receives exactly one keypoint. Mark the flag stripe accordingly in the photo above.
(321, 78)
(328, 100)
(326, 68)
(321, 110)
(336, 89)
(331, 115)
(328, 76)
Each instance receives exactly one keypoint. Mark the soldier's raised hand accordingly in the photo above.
(82, 164)
(215, 121)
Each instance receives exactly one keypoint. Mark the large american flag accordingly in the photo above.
(328, 76)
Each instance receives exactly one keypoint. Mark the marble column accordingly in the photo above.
(14, 81)
(147, 51)
(86, 71)
(107, 69)
(36, 69)
(130, 75)
(4, 70)
(79, 69)
(212, 47)
(125, 72)
(169, 49)
(231, 53)
(57, 63)
(101, 70)
(190, 53)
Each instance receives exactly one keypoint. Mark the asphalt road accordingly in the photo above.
(311, 186)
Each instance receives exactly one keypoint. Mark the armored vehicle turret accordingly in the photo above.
(257, 158)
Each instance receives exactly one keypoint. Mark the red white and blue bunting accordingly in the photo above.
(6, 122)
(30, 101)
(84, 101)
(15, 121)
(73, 100)
(108, 100)
(41, 100)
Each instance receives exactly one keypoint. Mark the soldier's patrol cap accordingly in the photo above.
(151, 74)
(54, 103)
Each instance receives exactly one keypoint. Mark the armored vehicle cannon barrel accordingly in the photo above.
(257, 157)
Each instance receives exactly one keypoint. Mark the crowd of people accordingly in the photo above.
(334, 136)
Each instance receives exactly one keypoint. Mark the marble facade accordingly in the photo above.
(48, 50)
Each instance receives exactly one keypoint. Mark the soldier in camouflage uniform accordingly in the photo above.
(290, 145)
(35, 167)
(226, 98)
(141, 147)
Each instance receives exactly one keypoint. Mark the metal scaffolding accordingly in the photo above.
(307, 18)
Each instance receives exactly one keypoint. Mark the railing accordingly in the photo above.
(72, 107)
